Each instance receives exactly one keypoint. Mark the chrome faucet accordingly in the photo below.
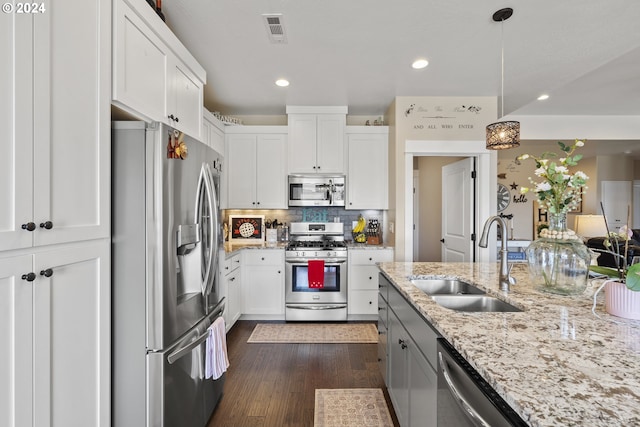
(505, 278)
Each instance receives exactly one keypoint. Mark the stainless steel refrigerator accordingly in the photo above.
(166, 233)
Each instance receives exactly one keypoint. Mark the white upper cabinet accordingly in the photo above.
(212, 131)
(256, 167)
(54, 171)
(367, 178)
(316, 139)
(154, 75)
(184, 103)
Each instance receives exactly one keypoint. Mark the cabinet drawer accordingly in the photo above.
(363, 302)
(364, 277)
(371, 256)
(230, 264)
(263, 257)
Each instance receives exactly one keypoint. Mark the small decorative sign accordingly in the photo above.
(248, 229)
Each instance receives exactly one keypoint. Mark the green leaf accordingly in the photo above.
(607, 271)
(577, 157)
(633, 278)
(563, 147)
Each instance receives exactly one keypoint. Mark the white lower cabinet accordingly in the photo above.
(411, 376)
(55, 363)
(231, 288)
(363, 279)
(263, 282)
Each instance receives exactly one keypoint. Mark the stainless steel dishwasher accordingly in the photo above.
(465, 399)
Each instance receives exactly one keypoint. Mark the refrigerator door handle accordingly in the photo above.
(214, 231)
(183, 351)
(203, 216)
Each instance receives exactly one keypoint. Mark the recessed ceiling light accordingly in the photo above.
(282, 82)
(543, 97)
(420, 63)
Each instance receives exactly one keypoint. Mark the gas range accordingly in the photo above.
(316, 240)
(318, 250)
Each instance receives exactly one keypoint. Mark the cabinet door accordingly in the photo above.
(398, 381)
(616, 198)
(71, 324)
(71, 121)
(16, 357)
(241, 171)
(16, 130)
(423, 389)
(263, 290)
(302, 143)
(185, 99)
(330, 143)
(234, 302)
(216, 139)
(368, 176)
(139, 65)
(271, 176)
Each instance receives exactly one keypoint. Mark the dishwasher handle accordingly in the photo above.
(475, 417)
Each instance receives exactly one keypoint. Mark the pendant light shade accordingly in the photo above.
(503, 135)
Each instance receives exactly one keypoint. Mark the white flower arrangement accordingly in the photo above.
(559, 190)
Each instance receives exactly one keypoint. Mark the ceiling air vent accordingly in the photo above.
(275, 28)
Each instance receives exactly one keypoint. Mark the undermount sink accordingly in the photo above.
(445, 287)
(475, 303)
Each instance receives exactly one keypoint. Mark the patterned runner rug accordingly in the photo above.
(351, 407)
(320, 333)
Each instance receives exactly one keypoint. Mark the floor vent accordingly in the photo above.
(275, 28)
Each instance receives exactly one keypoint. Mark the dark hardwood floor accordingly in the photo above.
(273, 385)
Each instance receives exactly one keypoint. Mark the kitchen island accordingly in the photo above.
(555, 363)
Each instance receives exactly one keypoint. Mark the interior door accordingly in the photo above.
(458, 195)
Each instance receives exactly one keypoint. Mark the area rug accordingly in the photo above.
(320, 333)
(351, 407)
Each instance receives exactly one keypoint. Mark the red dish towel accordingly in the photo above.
(315, 273)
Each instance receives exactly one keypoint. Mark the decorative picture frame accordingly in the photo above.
(246, 229)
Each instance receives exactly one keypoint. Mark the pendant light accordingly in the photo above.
(506, 134)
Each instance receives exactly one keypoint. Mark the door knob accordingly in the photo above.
(46, 225)
(29, 277)
(442, 240)
(30, 226)
(46, 273)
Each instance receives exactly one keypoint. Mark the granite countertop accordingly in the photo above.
(231, 248)
(353, 245)
(555, 363)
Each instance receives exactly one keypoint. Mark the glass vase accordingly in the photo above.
(558, 259)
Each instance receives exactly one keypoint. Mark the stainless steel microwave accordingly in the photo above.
(316, 190)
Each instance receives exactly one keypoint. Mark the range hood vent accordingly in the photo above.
(275, 28)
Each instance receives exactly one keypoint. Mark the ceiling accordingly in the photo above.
(584, 53)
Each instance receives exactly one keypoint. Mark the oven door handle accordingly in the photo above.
(306, 261)
(316, 307)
